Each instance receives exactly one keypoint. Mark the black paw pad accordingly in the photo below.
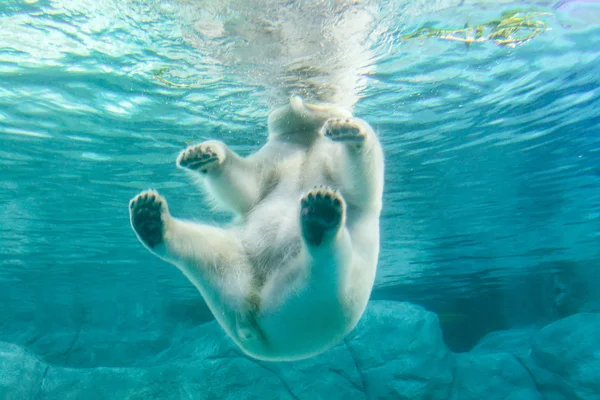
(321, 211)
(202, 158)
(344, 130)
(145, 211)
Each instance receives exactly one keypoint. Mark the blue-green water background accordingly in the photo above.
(492, 201)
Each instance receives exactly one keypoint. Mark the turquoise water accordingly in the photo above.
(491, 207)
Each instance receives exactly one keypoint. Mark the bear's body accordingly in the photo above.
(293, 274)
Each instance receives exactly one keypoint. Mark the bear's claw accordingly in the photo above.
(146, 211)
(202, 157)
(322, 210)
(344, 130)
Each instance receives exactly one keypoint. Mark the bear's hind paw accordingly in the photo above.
(146, 212)
(322, 212)
(203, 157)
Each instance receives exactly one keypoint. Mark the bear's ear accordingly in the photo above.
(298, 116)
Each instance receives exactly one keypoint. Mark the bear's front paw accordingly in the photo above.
(203, 157)
(146, 213)
(321, 213)
(344, 130)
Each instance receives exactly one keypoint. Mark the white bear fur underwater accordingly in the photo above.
(292, 275)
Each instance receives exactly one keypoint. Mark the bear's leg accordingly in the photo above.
(182, 242)
(361, 175)
(326, 239)
(231, 180)
(211, 258)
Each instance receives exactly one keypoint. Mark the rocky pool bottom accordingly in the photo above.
(396, 352)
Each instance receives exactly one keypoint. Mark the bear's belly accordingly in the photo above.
(305, 324)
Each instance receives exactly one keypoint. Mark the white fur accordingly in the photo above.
(276, 296)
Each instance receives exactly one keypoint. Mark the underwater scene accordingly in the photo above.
(319, 199)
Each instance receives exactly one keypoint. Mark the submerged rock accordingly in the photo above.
(567, 355)
(21, 373)
(395, 352)
(399, 350)
(515, 341)
(493, 376)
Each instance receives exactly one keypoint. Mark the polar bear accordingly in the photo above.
(292, 275)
